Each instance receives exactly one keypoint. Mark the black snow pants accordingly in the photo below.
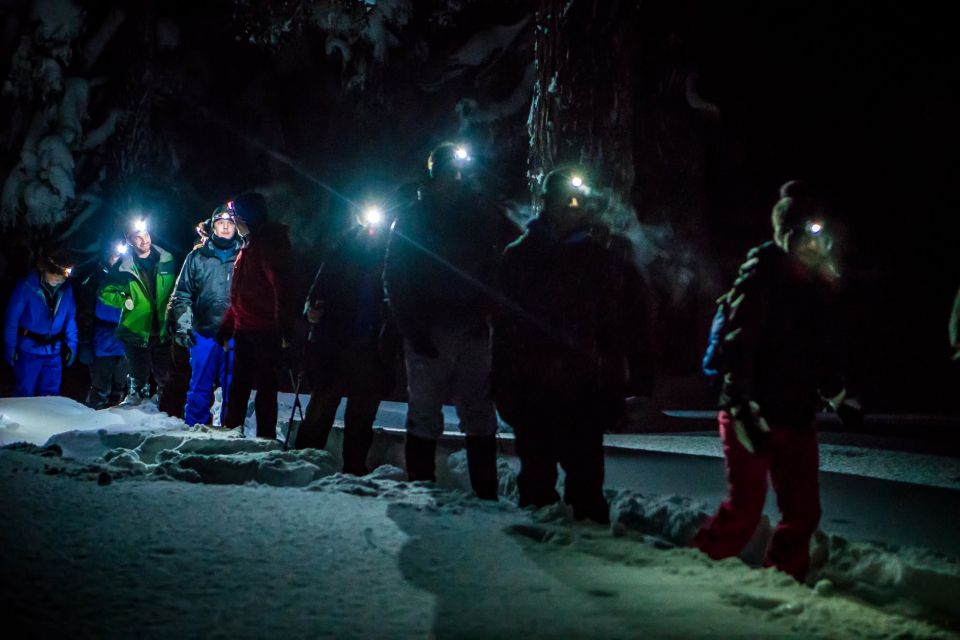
(256, 360)
(144, 361)
(354, 372)
(108, 381)
(565, 429)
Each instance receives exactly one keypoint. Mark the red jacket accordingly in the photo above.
(260, 297)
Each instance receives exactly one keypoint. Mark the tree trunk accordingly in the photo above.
(582, 110)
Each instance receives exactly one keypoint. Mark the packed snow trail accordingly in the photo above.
(368, 558)
(144, 527)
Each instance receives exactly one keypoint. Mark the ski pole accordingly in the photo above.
(296, 406)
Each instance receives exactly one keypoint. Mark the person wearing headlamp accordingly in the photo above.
(776, 361)
(40, 328)
(348, 324)
(260, 316)
(569, 347)
(100, 348)
(199, 302)
(437, 278)
(140, 285)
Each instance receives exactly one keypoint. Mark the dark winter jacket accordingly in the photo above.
(573, 320)
(440, 263)
(97, 321)
(261, 297)
(349, 290)
(777, 344)
(347, 340)
(142, 299)
(105, 341)
(47, 321)
(953, 328)
(202, 293)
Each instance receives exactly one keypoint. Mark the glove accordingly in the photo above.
(186, 339)
(85, 353)
(223, 336)
(751, 430)
(851, 414)
(288, 360)
(421, 345)
(69, 355)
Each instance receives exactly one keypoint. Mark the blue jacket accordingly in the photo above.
(105, 340)
(28, 309)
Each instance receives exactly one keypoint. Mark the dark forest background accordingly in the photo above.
(693, 112)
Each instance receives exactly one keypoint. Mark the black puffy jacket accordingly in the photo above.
(202, 292)
(441, 262)
(778, 342)
(573, 320)
(349, 289)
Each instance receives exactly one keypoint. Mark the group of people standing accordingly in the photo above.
(550, 332)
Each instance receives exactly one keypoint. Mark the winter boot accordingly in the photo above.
(482, 464)
(135, 394)
(421, 458)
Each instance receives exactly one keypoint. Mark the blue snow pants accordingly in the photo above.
(37, 374)
(212, 367)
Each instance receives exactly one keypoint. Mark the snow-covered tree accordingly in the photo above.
(49, 85)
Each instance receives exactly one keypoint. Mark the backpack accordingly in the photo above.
(713, 357)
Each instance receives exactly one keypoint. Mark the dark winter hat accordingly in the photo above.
(251, 207)
(564, 187)
(798, 204)
(56, 260)
(224, 212)
(448, 158)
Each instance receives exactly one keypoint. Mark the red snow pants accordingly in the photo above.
(792, 463)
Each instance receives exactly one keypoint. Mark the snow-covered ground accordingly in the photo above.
(125, 523)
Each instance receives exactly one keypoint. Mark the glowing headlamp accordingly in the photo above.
(461, 154)
(814, 228)
(140, 225)
(67, 271)
(576, 182)
(373, 216)
(224, 215)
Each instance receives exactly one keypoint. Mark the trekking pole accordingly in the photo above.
(296, 405)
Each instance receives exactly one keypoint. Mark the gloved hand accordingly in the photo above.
(223, 336)
(423, 346)
(85, 353)
(315, 313)
(850, 413)
(68, 355)
(288, 359)
(751, 430)
(185, 339)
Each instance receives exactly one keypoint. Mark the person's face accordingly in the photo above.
(141, 243)
(54, 279)
(815, 253)
(225, 228)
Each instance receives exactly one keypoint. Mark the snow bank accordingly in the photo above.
(64, 438)
(35, 420)
(914, 582)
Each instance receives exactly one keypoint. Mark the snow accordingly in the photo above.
(125, 521)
